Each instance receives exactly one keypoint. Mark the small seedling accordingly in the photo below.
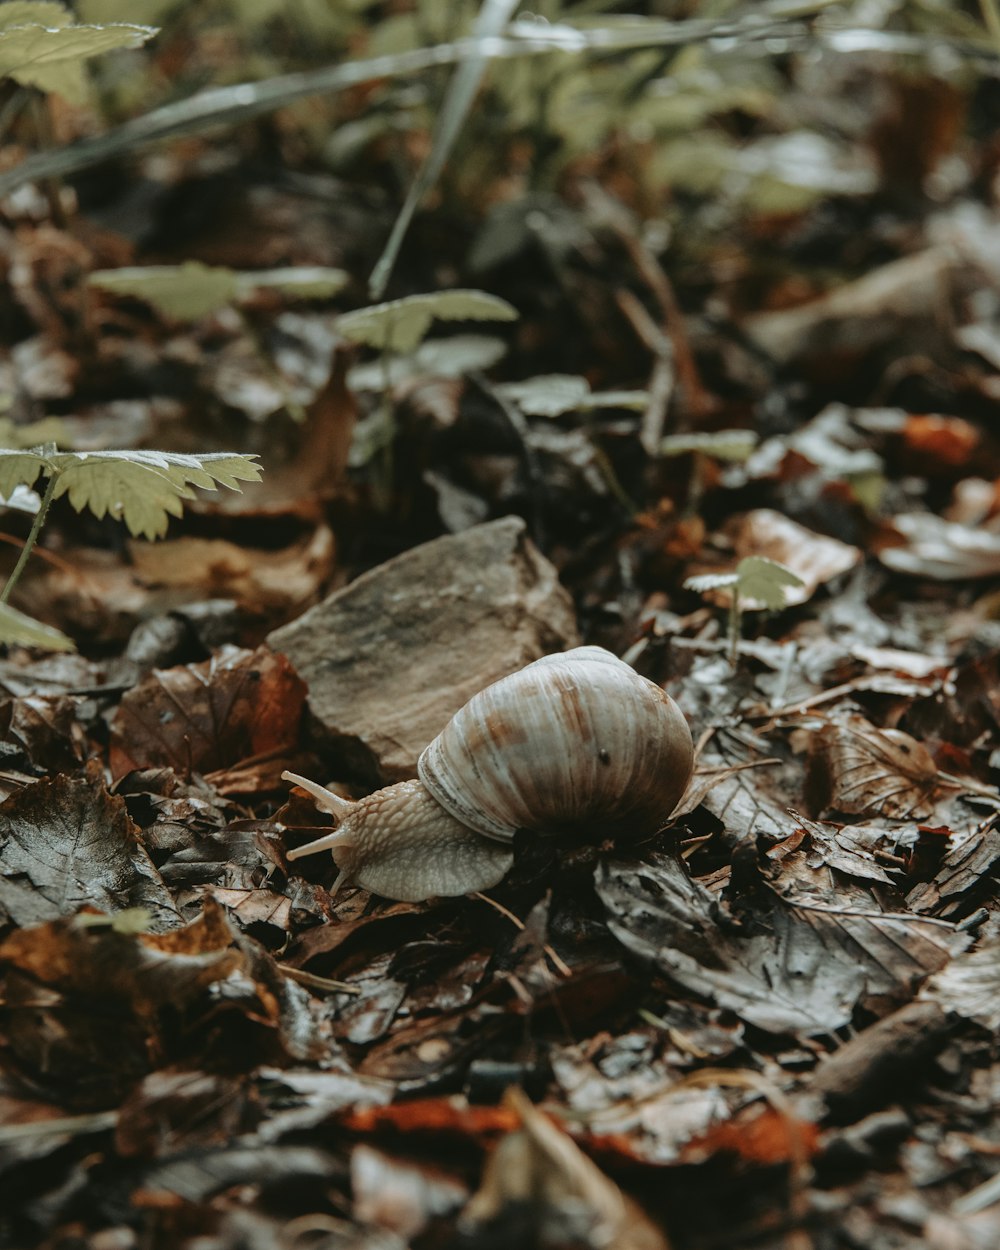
(398, 327)
(732, 446)
(142, 488)
(754, 578)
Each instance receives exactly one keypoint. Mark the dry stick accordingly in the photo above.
(311, 981)
(661, 380)
(561, 967)
(223, 106)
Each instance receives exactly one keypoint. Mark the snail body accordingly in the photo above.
(574, 741)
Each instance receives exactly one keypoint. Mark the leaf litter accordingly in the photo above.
(770, 1024)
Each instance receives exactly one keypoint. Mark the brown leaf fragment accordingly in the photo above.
(965, 875)
(200, 717)
(970, 985)
(867, 771)
(171, 1111)
(400, 1197)
(762, 1136)
(814, 558)
(570, 1199)
(942, 550)
(65, 844)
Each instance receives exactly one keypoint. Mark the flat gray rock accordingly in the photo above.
(391, 657)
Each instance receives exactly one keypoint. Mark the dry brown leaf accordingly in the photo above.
(815, 558)
(200, 717)
(877, 772)
(542, 1166)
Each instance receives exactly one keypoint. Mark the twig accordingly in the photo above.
(560, 965)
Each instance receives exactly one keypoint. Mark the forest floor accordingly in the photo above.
(724, 301)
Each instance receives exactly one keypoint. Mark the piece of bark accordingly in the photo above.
(874, 1067)
(391, 657)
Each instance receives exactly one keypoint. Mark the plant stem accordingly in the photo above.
(734, 628)
(32, 538)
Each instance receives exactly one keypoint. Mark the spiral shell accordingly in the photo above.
(573, 740)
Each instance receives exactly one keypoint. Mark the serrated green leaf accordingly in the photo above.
(19, 468)
(41, 49)
(735, 445)
(183, 292)
(18, 629)
(144, 488)
(766, 580)
(400, 324)
(301, 281)
(549, 395)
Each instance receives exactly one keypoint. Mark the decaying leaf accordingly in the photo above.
(571, 1200)
(803, 969)
(211, 715)
(66, 844)
(875, 772)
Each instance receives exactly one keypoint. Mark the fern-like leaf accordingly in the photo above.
(142, 488)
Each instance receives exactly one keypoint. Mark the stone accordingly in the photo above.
(391, 657)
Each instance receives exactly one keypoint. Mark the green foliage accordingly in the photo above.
(553, 394)
(142, 488)
(130, 920)
(20, 630)
(192, 290)
(41, 46)
(756, 579)
(400, 324)
(734, 445)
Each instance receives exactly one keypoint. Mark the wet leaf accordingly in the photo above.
(66, 844)
(209, 716)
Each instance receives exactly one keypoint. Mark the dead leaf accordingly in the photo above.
(942, 550)
(67, 843)
(877, 772)
(799, 969)
(200, 717)
(571, 1200)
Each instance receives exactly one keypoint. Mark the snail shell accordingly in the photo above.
(577, 741)
(573, 740)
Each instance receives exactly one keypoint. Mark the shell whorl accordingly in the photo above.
(577, 739)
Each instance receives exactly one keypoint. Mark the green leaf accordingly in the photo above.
(400, 324)
(144, 488)
(436, 358)
(766, 580)
(40, 47)
(130, 920)
(735, 445)
(184, 292)
(549, 395)
(25, 631)
(710, 581)
(19, 468)
(301, 281)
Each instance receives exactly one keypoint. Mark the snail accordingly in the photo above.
(574, 741)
